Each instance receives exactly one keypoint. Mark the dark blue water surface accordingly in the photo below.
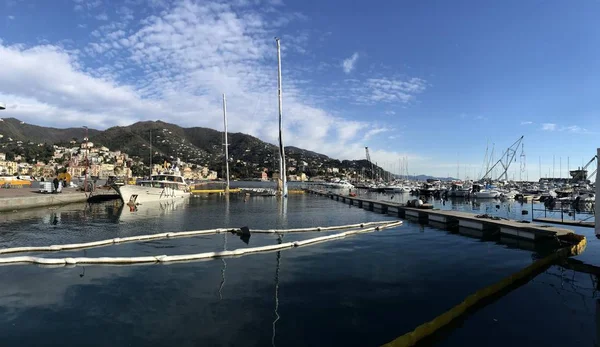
(364, 290)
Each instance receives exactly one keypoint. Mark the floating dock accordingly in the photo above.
(570, 222)
(484, 223)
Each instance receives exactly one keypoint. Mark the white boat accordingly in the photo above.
(161, 187)
(458, 190)
(341, 184)
(486, 194)
(480, 193)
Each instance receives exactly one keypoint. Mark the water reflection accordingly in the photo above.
(152, 209)
(277, 317)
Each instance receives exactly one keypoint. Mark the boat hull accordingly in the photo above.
(486, 195)
(459, 193)
(140, 195)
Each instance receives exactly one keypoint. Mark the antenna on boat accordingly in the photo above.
(226, 144)
(282, 170)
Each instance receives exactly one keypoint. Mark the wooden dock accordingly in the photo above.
(529, 231)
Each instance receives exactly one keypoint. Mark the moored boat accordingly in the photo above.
(161, 187)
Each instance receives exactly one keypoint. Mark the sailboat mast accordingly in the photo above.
(150, 153)
(226, 144)
(281, 148)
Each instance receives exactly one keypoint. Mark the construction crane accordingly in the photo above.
(370, 162)
(505, 160)
(523, 163)
(581, 174)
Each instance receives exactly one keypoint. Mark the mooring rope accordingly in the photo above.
(169, 235)
(179, 258)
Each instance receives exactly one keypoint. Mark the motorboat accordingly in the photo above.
(341, 184)
(458, 190)
(166, 186)
(479, 192)
(427, 189)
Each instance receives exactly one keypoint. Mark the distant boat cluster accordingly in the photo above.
(548, 192)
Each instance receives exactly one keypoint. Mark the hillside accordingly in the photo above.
(203, 146)
(19, 131)
(200, 146)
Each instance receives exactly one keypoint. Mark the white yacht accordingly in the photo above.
(162, 187)
(340, 184)
(480, 193)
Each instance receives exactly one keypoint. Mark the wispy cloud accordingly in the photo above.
(391, 90)
(576, 129)
(349, 63)
(549, 127)
(11, 17)
(526, 122)
(102, 16)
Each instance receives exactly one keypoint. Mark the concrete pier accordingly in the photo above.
(464, 220)
(22, 198)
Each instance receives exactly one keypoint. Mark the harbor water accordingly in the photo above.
(364, 290)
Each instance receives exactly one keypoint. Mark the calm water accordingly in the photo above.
(362, 291)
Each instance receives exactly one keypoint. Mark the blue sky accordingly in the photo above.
(431, 81)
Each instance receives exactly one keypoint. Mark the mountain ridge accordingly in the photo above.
(200, 146)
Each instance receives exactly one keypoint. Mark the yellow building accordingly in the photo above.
(9, 166)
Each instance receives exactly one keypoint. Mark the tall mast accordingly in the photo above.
(150, 153)
(226, 144)
(282, 171)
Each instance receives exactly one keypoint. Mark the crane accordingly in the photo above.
(369, 160)
(576, 174)
(505, 160)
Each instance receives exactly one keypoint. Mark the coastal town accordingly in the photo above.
(103, 163)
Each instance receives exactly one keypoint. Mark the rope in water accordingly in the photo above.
(148, 237)
(188, 257)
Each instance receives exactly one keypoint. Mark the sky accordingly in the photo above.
(429, 83)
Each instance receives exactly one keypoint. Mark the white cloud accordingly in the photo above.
(102, 16)
(377, 90)
(349, 63)
(11, 17)
(375, 131)
(526, 122)
(575, 129)
(174, 66)
(548, 126)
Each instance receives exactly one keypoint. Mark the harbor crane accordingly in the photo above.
(505, 160)
(370, 162)
(581, 174)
